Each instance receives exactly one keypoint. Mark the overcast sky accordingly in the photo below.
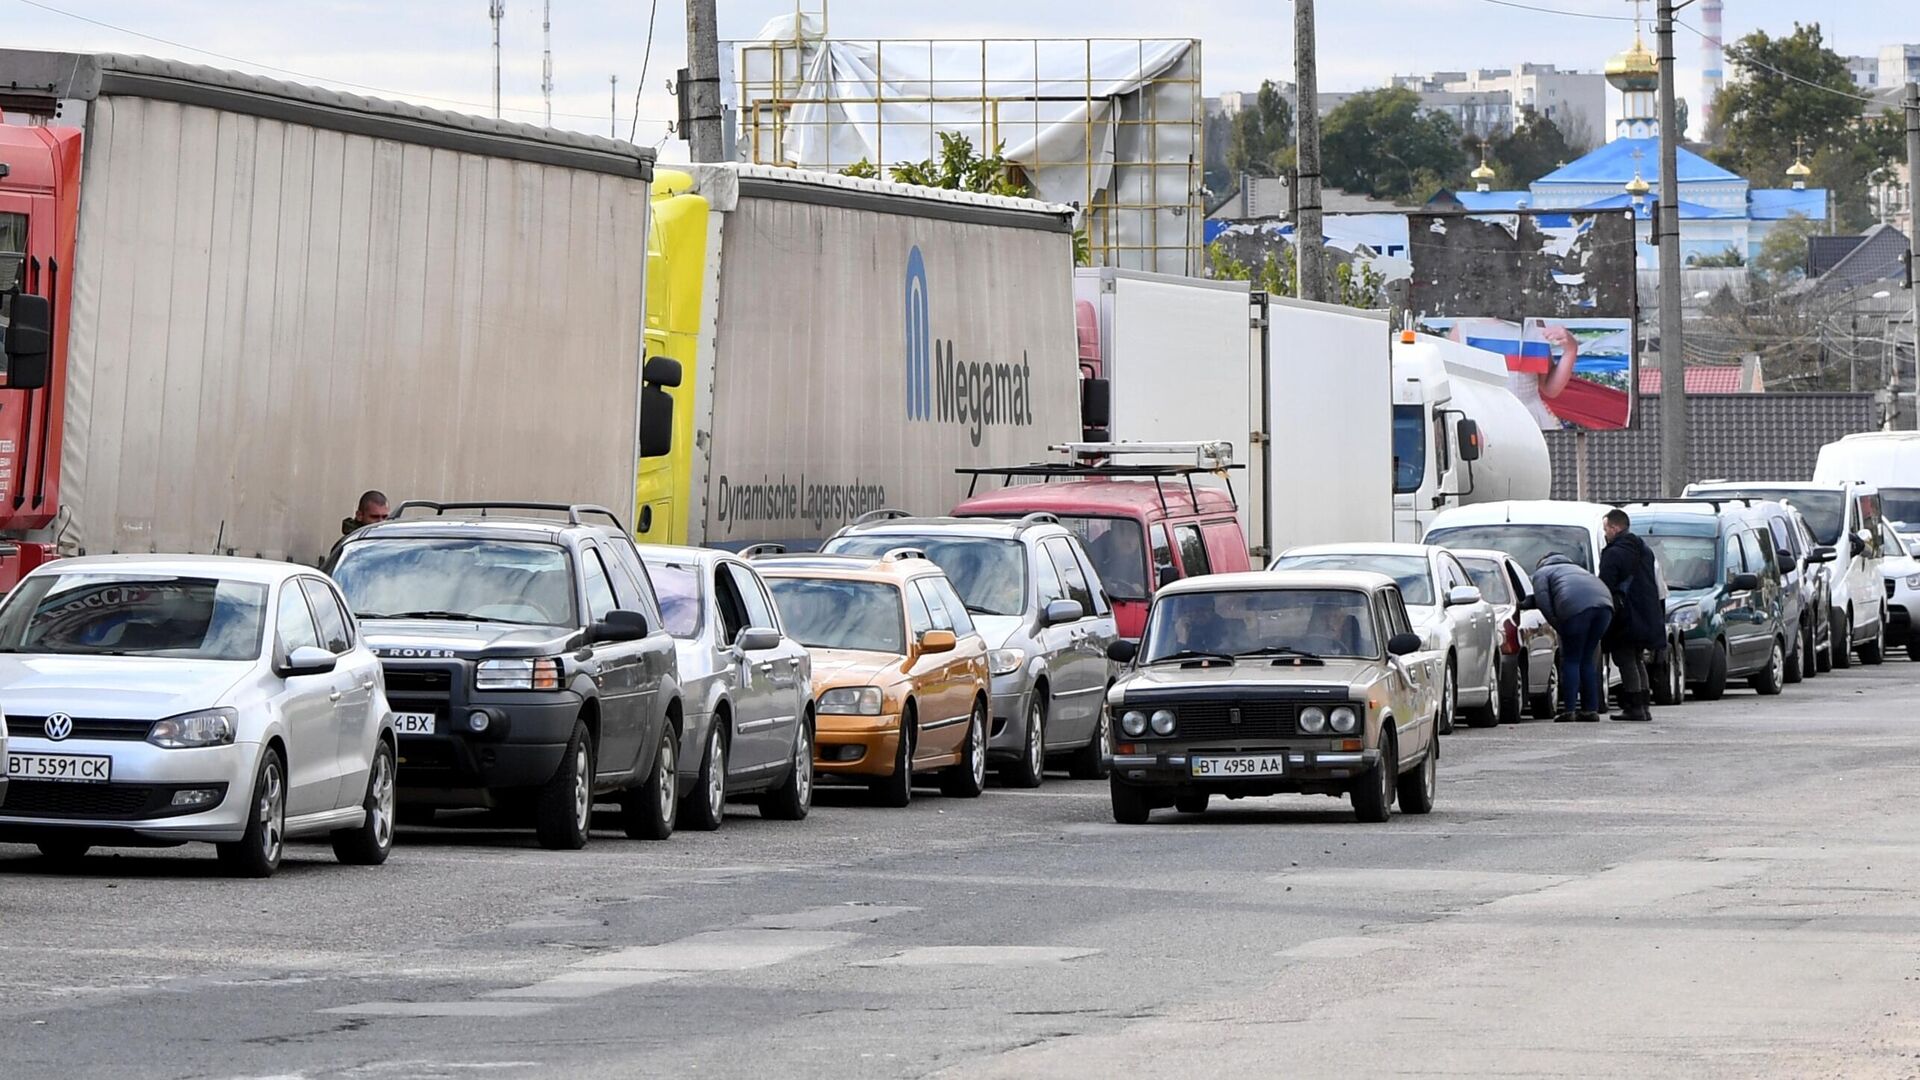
(438, 52)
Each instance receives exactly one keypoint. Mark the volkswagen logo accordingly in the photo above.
(59, 726)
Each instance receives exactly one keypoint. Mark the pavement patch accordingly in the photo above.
(821, 917)
(499, 1010)
(1380, 879)
(721, 950)
(580, 984)
(1632, 885)
(980, 956)
(1340, 948)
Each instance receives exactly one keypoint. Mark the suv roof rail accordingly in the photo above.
(1038, 517)
(901, 554)
(759, 551)
(574, 511)
(885, 513)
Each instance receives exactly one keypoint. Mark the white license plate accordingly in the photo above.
(1240, 765)
(68, 768)
(413, 723)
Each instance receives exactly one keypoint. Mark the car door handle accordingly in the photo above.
(766, 665)
(366, 684)
(334, 696)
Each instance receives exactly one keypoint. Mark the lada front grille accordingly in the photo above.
(1228, 720)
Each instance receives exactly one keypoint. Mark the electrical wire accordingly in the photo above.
(1559, 11)
(309, 76)
(645, 58)
(1750, 62)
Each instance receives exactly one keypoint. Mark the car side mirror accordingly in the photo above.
(1529, 602)
(1122, 651)
(938, 641)
(1167, 576)
(1461, 595)
(619, 626)
(1822, 554)
(1468, 434)
(1064, 611)
(29, 342)
(1864, 538)
(1743, 582)
(1788, 564)
(758, 639)
(308, 660)
(1403, 644)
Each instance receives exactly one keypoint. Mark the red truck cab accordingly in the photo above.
(1143, 526)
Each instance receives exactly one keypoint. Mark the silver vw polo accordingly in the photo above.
(156, 700)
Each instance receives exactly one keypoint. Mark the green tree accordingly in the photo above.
(1354, 284)
(1260, 132)
(1783, 254)
(1535, 147)
(1379, 143)
(960, 168)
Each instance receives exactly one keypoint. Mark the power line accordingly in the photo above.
(310, 77)
(1750, 62)
(1560, 11)
(645, 58)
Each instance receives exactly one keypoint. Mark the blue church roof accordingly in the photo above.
(1494, 200)
(1688, 210)
(1614, 163)
(1775, 204)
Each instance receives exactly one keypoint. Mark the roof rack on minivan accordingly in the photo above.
(901, 554)
(1210, 458)
(756, 551)
(885, 513)
(574, 511)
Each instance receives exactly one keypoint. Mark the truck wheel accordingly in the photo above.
(793, 798)
(1416, 788)
(706, 807)
(897, 790)
(1511, 676)
(1373, 793)
(1094, 761)
(1194, 802)
(969, 778)
(1875, 651)
(1544, 704)
(1715, 686)
(1031, 769)
(648, 812)
(257, 853)
(370, 844)
(1130, 805)
(1771, 679)
(1842, 646)
(563, 811)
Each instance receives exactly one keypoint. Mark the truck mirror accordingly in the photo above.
(1096, 404)
(661, 371)
(29, 342)
(1469, 439)
(656, 422)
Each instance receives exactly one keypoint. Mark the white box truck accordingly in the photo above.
(234, 303)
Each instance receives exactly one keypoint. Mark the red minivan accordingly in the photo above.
(1143, 526)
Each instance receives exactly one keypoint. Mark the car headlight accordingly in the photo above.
(211, 727)
(1162, 721)
(1913, 581)
(852, 701)
(1006, 661)
(1313, 720)
(1685, 618)
(530, 673)
(1134, 723)
(1343, 720)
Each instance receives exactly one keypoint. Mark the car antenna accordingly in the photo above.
(220, 536)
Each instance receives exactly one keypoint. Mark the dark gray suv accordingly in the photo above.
(1036, 599)
(526, 662)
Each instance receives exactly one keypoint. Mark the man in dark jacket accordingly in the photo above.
(1639, 618)
(1579, 608)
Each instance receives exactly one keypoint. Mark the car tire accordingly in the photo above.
(1094, 761)
(563, 808)
(372, 841)
(794, 797)
(1667, 679)
(1373, 793)
(1796, 668)
(63, 853)
(1449, 699)
(1416, 788)
(897, 790)
(1511, 693)
(1809, 651)
(1772, 679)
(1823, 658)
(705, 807)
(1031, 769)
(1843, 641)
(1130, 803)
(1875, 652)
(1715, 686)
(650, 811)
(1192, 802)
(1544, 705)
(258, 852)
(969, 778)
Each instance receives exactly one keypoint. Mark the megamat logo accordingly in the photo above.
(977, 394)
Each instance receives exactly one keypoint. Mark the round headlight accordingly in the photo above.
(478, 721)
(1313, 720)
(1163, 722)
(1913, 581)
(1134, 723)
(1343, 720)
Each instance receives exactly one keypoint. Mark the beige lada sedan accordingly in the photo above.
(1278, 682)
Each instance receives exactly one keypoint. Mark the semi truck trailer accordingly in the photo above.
(232, 304)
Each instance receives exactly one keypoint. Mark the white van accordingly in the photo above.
(1886, 460)
(1844, 516)
(1529, 529)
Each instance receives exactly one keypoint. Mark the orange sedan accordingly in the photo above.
(900, 676)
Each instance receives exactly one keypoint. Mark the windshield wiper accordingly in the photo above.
(450, 616)
(1192, 654)
(1281, 650)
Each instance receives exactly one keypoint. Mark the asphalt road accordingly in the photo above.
(1732, 890)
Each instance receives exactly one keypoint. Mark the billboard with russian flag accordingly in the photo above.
(1552, 292)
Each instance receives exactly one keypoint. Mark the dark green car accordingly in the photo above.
(1725, 594)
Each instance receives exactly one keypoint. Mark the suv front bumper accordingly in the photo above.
(522, 746)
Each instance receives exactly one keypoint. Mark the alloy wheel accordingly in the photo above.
(383, 796)
(979, 753)
(666, 767)
(582, 787)
(803, 766)
(1036, 739)
(272, 809)
(717, 778)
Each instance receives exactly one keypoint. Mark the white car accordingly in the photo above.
(1454, 621)
(1901, 570)
(156, 700)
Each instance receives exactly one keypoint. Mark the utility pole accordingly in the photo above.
(1673, 353)
(613, 106)
(1913, 245)
(700, 88)
(546, 57)
(496, 10)
(1310, 276)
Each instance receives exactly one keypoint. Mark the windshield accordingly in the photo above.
(1825, 511)
(678, 586)
(478, 580)
(1901, 506)
(1490, 578)
(1410, 571)
(1244, 622)
(1687, 562)
(1525, 544)
(132, 615)
(989, 574)
(1409, 447)
(1118, 553)
(820, 614)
